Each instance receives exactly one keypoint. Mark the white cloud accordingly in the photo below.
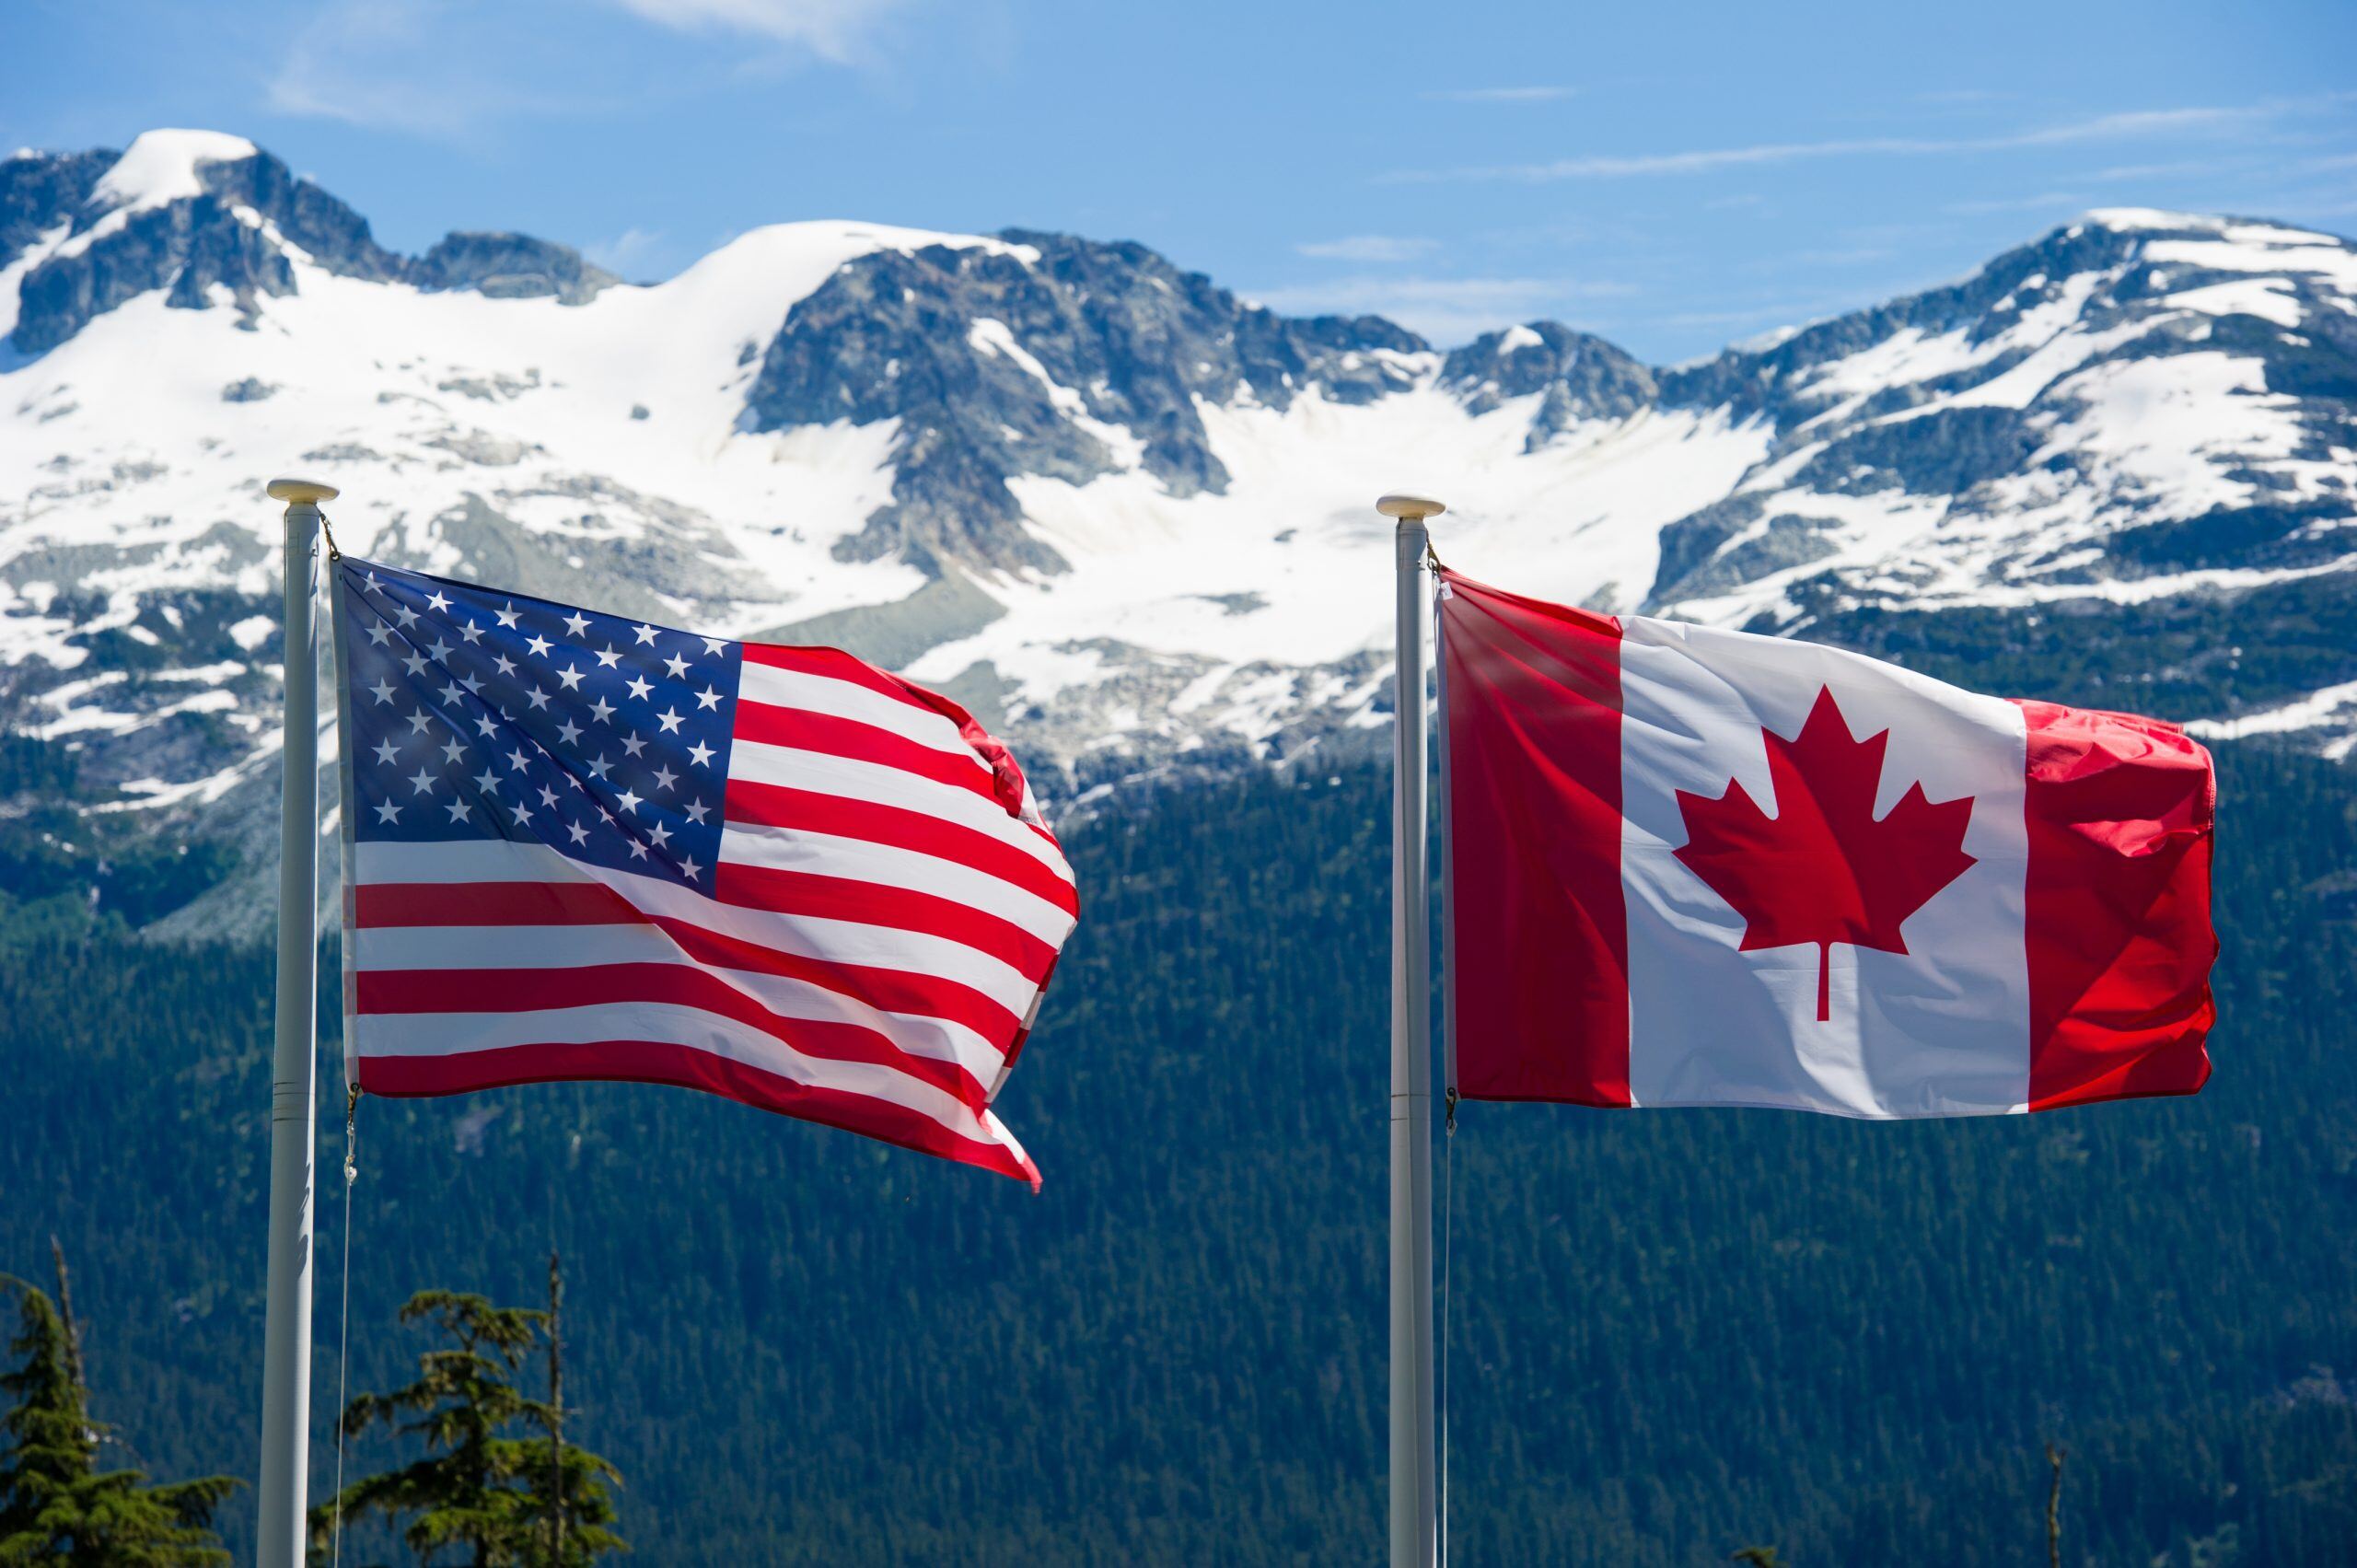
(832, 29)
(2097, 127)
(1447, 311)
(445, 68)
(634, 254)
(1497, 95)
(398, 64)
(1366, 247)
(2050, 200)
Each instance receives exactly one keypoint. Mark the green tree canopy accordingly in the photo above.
(57, 1509)
(480, 1486)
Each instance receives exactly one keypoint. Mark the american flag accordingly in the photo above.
(579, 845)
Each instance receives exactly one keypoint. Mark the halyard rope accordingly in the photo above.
(1447, 1232)
(343, 1316)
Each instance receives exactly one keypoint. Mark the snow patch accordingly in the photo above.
(161, 167)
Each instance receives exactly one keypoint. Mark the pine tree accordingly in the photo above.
(506, 1499)
(57, 1509)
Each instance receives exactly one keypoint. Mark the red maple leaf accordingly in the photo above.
(1822, 869)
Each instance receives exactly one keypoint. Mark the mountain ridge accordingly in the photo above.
(1117, 509)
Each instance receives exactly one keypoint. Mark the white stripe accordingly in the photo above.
(1941, 1029)
(767, 686)
(806, 937)
(461, 1034)
(889, 866)
(824, 773)
(579, 946)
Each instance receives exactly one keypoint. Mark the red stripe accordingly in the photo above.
(867, 903)
(2119, 812)
(389, 993)
(775, 806)
(387, 904)
(834, 735)
(655, 1062)
(1540, 946)
(836, 665)
(491, 904)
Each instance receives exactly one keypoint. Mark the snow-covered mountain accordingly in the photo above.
(1117, 509)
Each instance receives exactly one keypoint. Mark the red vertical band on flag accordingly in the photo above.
(1540, 939)
(2119, 812)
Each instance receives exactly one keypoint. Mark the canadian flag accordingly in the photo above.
(1690, 866)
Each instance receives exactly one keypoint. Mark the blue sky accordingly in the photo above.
(1673, 176)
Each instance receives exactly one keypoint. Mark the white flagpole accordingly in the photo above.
(286, 1334)
(1413, 1492)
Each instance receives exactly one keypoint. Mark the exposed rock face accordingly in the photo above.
(1579, 376)
(510, 266)
(226, 240)
(38, 192)
(1047, 355)
(1108, 503)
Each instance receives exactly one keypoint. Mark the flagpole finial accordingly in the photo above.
(1411, 508)
(300, 491)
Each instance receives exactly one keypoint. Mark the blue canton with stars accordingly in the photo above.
(479, 715)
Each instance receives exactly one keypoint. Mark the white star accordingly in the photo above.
(386, 751)
(516, 759)
(677, 665)
(547, 798)
(712, 644)
(608, 659)
(388, 812)
(454, 750)
(691, 868)
(439, 651)
(383, 689)
(659, 835)
(696, 811)
(602, 710)
(646, 635)
(639, 688)
(483, 724)
(630, 800)
(471, 633)
(450, 692)
(379, 634)
(568, 732)
(414, 662)
(637, 850)
(538, 698)
(419, 720)
(538, 644)
(580, 834)
(473, 686)
(438, 602)
(578, 623)
(669, 719)
(505, 665)
(424, 782)
(507, 616)
(458, 809)
(598, 768)
(405, 615)
(523, 812)
(370, 578)
(570, 678)
(702, 754)
(707, 698)
(634, 745)
(486, 782)
(665, 778)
